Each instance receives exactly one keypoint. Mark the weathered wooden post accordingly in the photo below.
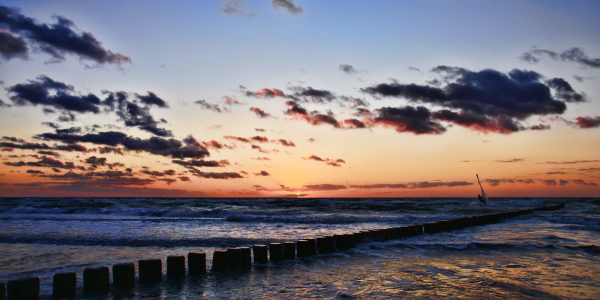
(261, 255)
(124, 274)
(63, 285)
(175, 266)
(150, 270)
(96, 280)
(23, 289)
(196, 263)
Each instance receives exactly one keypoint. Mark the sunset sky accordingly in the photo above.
(271, 98)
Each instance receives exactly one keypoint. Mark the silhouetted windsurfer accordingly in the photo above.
(483, 198)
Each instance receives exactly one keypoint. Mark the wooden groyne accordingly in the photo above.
(96, 280)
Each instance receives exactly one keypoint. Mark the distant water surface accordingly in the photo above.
(544, 255)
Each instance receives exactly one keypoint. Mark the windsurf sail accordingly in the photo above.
(483, 197)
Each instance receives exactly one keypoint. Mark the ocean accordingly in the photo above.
(542, 255)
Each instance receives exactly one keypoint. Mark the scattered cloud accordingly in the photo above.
(348, 69)
(260, 113)
(587, 122)
(575, 54)
(56, 39)
(283, 142)
(314, 118)
(510, 160)
(236, 8)
(262, 173)
(288, 5)
(488, 100)
(413, 185)
(214, 107)
(188, 148)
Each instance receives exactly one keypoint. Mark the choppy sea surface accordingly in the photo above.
(543, 255)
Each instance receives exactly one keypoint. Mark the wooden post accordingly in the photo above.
(261, 255)
(124, 274)
(96, 280)
(23, 289)
(175, 266)
(220, 260)
(196, 263)
(340, 242)
(302, 246)
(350, 241)
(63, 285)
(289, 250)
(234, 256)
(322, 245)
(246, 257)
(276, 251)
(150, 270)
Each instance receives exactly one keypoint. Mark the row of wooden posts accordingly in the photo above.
(96, 279)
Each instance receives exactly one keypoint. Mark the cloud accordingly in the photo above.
(265, 93)
(51, 93)
(287, 5)
(236, 8)
(314, 118)
(330, 162)
(581, 182)
(488, 100)
(407, 119)
(565, 92)
(260, 139)
(232, 101)
(202, 163)
(209, 106)
(184, 178)
(95, 161)
(355, 102)
(260, 113)
(413, 185)
(587, 122)
(3, 104)
(540, 127)
(188, 148)
(315, 158)
(414, 69)
(167, 180)
(39, 93)
(571, 162)
(310, 94)
(575, 54)
(324, 187)
(262, 173)
(51, 153)
(285, 143)
(581, 78)
(34, 172)
(138, 116)
(45, 162)
(353, 124)
(12, 46)
(56, 39)
(510, 160)
(158, 173)
(259, 130)
(152, 99)
(214, 175)
(348, 69)
(237, 138)
(549, 181)
(262, 158)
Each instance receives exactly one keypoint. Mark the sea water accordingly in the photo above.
(542, 255)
